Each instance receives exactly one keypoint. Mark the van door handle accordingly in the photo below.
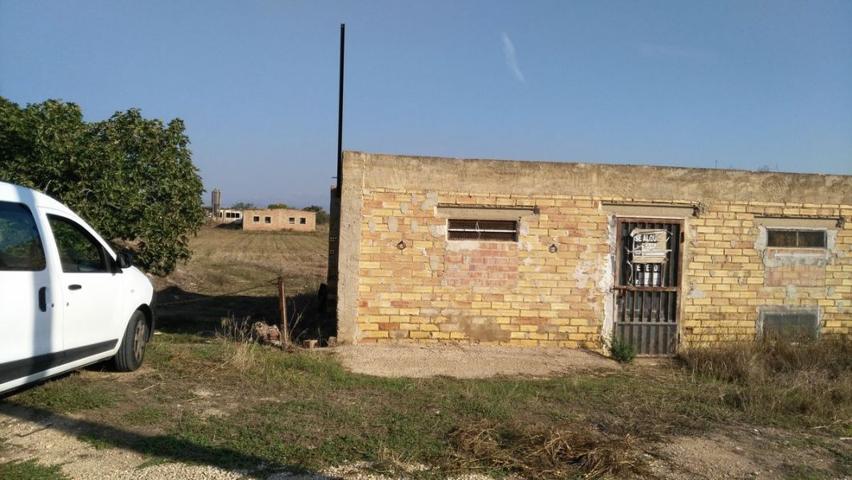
(42, 299)
(75, 286)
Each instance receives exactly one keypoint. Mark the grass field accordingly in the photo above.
(209, 400)
(199, 294)
(227, 259)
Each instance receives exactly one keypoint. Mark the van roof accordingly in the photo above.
(32, 198)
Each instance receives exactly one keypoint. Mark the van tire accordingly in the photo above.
(132, 350)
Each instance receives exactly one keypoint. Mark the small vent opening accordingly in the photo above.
(790, 324)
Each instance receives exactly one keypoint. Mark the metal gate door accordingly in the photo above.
(647, 281)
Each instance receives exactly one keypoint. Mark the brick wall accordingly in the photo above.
(491, 292)
(522, 293)
(729, 276)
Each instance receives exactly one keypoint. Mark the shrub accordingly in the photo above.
(774, 380)
(621, 351)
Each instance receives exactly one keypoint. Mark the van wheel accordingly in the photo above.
(132, 350)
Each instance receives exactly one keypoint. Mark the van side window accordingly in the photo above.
(78, 250)
(20, 243)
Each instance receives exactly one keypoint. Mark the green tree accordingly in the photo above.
(242, 206)
(131, 178)
(322, 215)
(282, 206)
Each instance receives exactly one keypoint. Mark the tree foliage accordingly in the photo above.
(242, 206)
(322, 215)
(280, 206)
(130, 177)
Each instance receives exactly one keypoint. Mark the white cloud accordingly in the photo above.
(511, 58)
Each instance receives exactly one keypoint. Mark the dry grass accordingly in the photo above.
(237, 343)
(552, 453)
(777, 379)
(236, 330)
(226, 259)
(241, 356)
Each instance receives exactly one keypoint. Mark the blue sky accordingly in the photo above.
(742, 84)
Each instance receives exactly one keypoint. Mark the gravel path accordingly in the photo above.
(467, 361)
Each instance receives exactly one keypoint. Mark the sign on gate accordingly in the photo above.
(649, 245)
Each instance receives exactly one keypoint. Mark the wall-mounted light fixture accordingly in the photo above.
(401, 245)
(552, 248)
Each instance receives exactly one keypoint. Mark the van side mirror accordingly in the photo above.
(124, 260)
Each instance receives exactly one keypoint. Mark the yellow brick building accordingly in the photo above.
(551, 254)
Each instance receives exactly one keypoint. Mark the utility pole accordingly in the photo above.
(340, 111)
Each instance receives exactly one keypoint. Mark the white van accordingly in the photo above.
(66, 298)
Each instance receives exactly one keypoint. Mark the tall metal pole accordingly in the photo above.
(340, 111)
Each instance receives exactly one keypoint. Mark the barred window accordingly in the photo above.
(489, 230)
(795, 238)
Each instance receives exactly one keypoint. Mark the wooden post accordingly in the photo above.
(282, 311)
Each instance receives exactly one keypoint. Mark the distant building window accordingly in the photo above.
(267, 219)
(256, 219)
(303, 220)
(487, 230)
(292, 219)
(795, 238)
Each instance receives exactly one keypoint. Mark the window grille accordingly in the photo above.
(487, 230)
(795, 238)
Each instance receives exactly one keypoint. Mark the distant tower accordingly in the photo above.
(216, 200)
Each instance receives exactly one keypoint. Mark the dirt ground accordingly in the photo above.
(466, 361)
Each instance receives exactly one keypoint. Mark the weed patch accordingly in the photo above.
(31, 470)
(146, 415)
(621, 351)
(68, 394)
